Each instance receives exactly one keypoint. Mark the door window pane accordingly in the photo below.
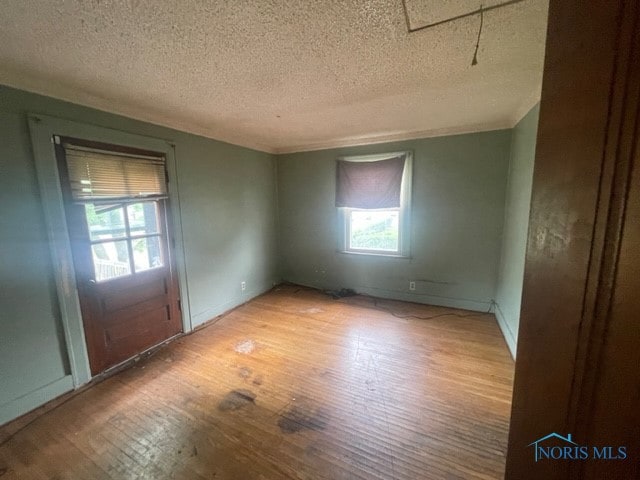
(374, 230)
(147, 253)
(105, 221)
(143, 218)
(110, 260)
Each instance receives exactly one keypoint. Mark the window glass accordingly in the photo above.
(105, 221)
(147, 253)
(143, 218)
(110, 260)
(376, 230)
(112, 242)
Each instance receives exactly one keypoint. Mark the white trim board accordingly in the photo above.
(24, 81)
(375, 139)
(480, 306)
(43, 128)
(21, 80)
(436, 300)
(508, 335)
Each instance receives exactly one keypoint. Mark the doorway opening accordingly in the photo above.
(116, 203)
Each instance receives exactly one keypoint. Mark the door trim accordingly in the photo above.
(587, 140)
(43, 128)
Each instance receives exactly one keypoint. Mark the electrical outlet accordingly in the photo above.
(412, 286)
(243, 286)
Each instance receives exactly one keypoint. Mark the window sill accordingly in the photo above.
(374, 254)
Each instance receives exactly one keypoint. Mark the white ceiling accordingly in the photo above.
(281, 76)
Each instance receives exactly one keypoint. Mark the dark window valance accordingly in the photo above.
(369, 184)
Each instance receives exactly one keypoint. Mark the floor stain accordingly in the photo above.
(245, 346)
(236, 399)
(258, 380)
(312, 450)
(244, 372)
(312, 310)
(304, 415)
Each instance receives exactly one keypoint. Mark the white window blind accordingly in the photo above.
(100, 175)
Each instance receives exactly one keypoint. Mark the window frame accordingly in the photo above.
(404, 211)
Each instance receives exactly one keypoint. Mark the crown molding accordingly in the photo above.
(396, 137)
(77, 96)
(34, 84)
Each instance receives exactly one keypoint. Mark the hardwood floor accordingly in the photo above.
(294, 385)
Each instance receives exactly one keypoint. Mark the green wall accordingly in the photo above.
(237, 202)
(228, 204)
(32, 353)
(457, 217)
(516, 224)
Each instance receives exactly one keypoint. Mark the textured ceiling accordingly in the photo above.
(281, 75)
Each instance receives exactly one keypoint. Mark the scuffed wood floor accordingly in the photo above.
(291, 385)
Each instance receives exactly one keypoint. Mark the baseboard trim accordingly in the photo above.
(24, 404)
(207, 316)
(435, 300)
(508, 335)
(460, 303)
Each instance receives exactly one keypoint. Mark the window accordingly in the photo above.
(374, 230)
(373, 200)
(121, 196)
(125, 238)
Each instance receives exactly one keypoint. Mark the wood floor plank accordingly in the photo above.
(292, 385)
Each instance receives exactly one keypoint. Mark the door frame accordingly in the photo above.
(43, 129)
(587, 142)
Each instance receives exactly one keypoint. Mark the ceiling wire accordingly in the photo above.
(480, 11)
(452, 19)
(475, 53)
